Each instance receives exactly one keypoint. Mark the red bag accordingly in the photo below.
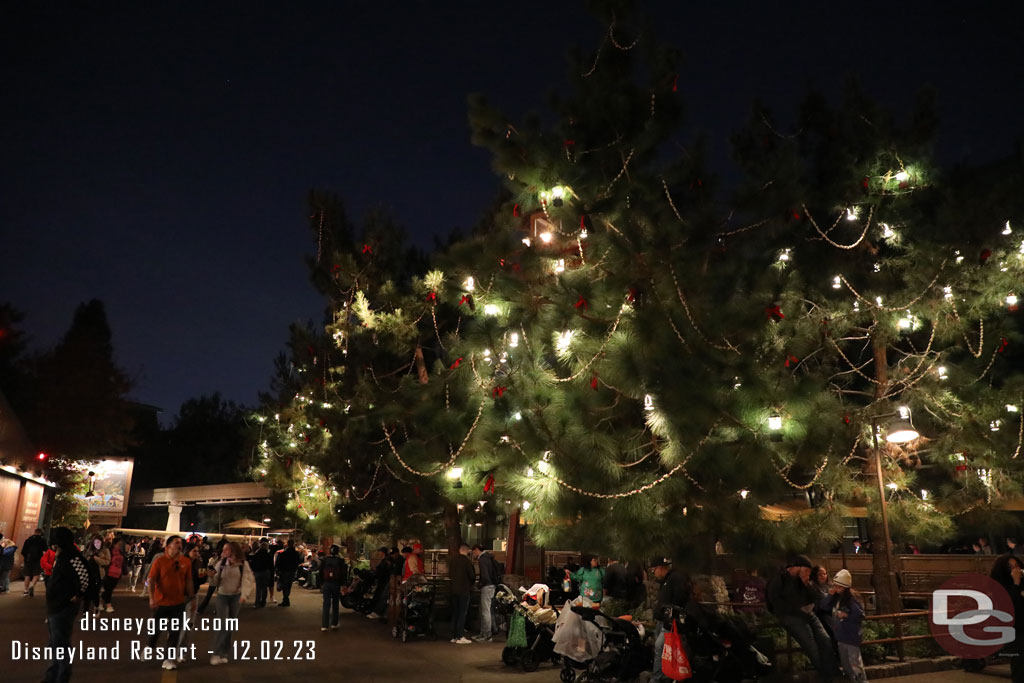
(674, 662)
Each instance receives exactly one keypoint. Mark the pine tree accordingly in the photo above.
(887, 284)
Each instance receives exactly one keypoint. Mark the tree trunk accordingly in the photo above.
(421, 365)
(883, 565)
(452, 528)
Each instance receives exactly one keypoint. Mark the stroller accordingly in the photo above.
(535, 643)
(358, 595)
(721, 649)
(416, 616)
(621, 654)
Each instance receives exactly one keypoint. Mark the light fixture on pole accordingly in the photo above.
(901, 430)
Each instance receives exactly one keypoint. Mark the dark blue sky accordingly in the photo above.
(157, 155)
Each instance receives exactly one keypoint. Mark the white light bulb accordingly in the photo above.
(924, 494)
(902, 176)
(560, 265)
(526, 505)
(906, 323)
(852, 213)
(784, 255)
(557, 191)
(947, 292)
(942, 372)
(545, 237)
(583, 234)
(529, 472)
(994, 425)
(455, 473)
(877, 267)
(892, 485)
(878, 300)
(648, 402)
(775, 422)
(544, 467)
(837, 282)
(744, 493)
(513, 340)
(469, 284)
(526, 241)
(517, 416)
(491, 309)
(1011, 300)
(887, 231)
(1007, 230)
(1011, 408)
(564, 339)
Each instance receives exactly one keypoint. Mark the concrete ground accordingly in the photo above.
(361, 651)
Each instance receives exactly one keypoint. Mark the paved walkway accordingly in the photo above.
(361, 651)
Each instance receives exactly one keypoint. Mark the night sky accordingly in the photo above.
(157, 155)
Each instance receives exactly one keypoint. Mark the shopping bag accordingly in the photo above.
(517, 631)
(674, 662)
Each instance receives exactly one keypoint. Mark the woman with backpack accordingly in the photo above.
(235, 583)
(115, 568)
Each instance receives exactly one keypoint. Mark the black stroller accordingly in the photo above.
(721, 649)
(359, 595)
(416, 616)
(623, 655)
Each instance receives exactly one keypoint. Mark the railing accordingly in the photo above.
(898, 618)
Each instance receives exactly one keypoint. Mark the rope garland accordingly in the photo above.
(451, 460)
(689, 315)
(824, 236)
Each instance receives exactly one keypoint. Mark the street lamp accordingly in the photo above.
(900, 430)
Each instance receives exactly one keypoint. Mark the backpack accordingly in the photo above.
(334, 570)
(116, 566)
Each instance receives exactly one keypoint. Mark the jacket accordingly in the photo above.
(615, 581)
(7, 558)
(68, 583)
(261, 561)
(591, 581)
(47, 561)
(489, 572)
(33, 548)
(288, 561)
(788, 595)
(848, 630)
(462, 575)
(674, 591)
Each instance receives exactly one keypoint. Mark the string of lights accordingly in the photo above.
(451, 460)
(824, 236)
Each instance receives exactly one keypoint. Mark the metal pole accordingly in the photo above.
(886, 538)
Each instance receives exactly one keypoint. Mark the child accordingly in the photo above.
(849, 615)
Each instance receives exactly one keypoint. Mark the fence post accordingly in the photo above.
(900, 650)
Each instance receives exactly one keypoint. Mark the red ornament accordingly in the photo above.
(464, 299)
(416, 490)
(774, 312)
(456, 363)
(792, 360)
(580, 303)
(335, 268)
(864, 182)
(984, 256)
(593, 382)
(489, 484)
(568, 143)
(515, 210)
(846, 419)
(432, 297)
(961, 468)
(498, 392)
(583, 225)
(367, 249)
(631, 295)
(1003, 343)
(675, 83)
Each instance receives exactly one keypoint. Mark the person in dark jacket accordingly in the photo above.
(382, 576)
(68, 583)
(262, 564)
(32, 550)
(615, 589)
(460, 570)
(489, 578)
(792, 599)
(675, 591)
(334, 572)
(287, 564)
(849, 617)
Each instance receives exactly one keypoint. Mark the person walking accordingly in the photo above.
(288, 562)
(97, 556)
(490, 575)
(49, 558)
(68, 584)
(262, 564)
(170, 587)
(114, 570)
(792, 600)
(462, 578)
(32, 550)
(234, 580)
(136, 556)
(335, 571)
(675, 591)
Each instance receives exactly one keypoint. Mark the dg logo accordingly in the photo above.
(971, 616)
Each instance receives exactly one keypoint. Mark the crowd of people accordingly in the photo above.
(823, 614)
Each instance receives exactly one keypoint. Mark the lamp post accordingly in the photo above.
(900, 431)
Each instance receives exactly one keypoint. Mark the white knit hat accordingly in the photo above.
(843, 579)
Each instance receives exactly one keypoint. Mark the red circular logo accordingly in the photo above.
(971, 616)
